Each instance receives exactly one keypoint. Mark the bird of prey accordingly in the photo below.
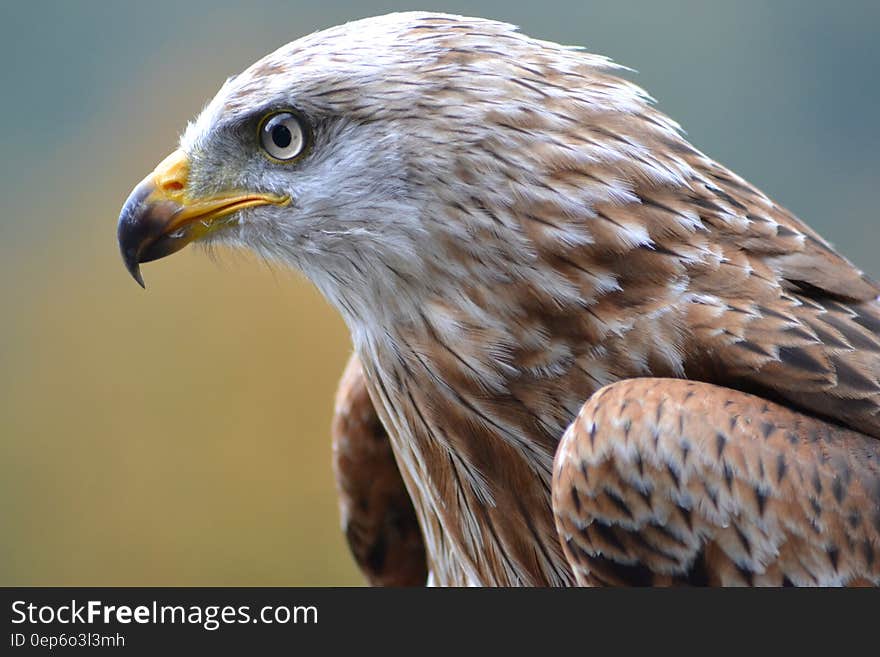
(585, 352)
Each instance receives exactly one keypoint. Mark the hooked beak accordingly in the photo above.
(160, 218)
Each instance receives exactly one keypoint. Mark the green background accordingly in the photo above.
(179, 436)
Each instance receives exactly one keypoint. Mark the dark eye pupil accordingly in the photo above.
(281, 136)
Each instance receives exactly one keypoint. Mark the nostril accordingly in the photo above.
(172, 186)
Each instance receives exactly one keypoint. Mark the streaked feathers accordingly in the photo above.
(507, 228)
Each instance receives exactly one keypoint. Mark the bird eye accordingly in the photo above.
(282, 136)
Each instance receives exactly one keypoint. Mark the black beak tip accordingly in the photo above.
(132, 232)
(134, 268)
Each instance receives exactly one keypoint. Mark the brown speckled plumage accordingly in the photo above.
(684, 270)
(663, 481)
(516, 238)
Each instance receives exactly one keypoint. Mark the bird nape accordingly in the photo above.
(584, 352)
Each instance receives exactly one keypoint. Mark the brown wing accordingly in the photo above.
(764, 304)
(781, 313)
(662, 481)
(377, 513)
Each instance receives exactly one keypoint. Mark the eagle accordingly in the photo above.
(584, 352)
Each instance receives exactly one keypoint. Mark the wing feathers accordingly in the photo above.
(663, 481)
(377, 513)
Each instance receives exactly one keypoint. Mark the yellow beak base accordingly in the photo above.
(159, 217)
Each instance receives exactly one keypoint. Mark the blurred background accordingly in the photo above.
(179, 436)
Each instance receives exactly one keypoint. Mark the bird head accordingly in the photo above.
(394, 154)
